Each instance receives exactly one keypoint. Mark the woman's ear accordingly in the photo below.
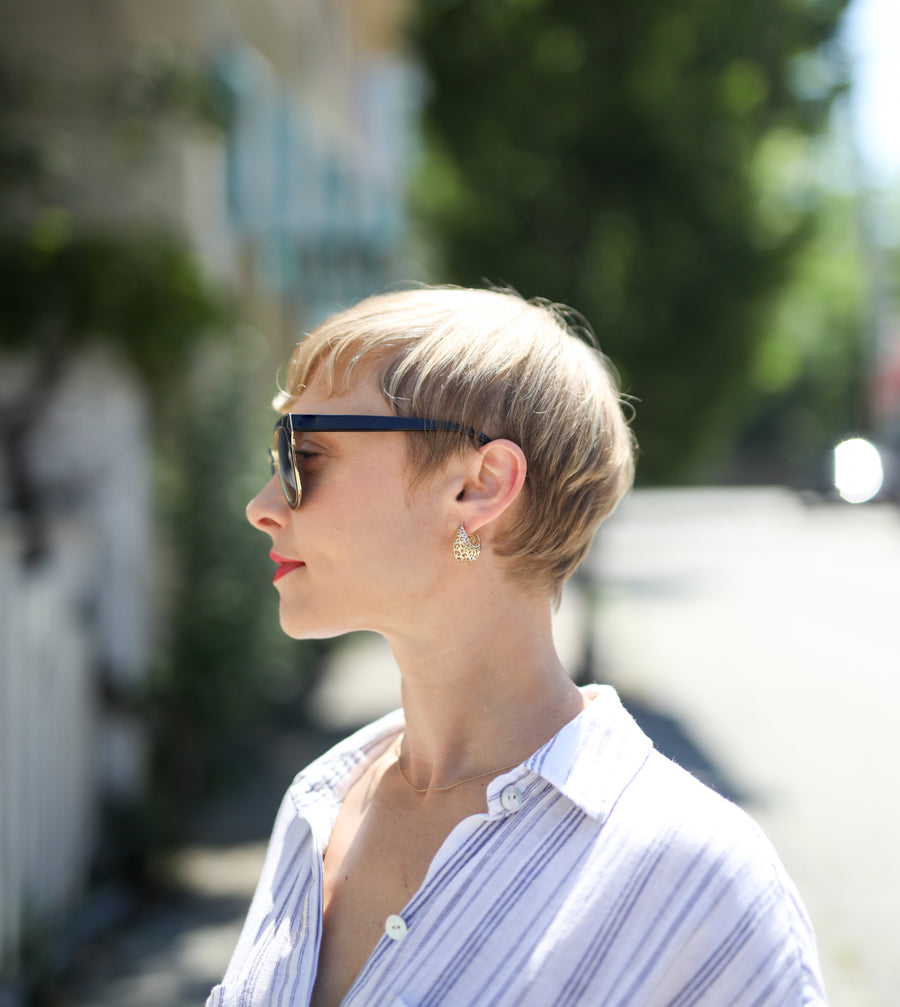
(494, 479)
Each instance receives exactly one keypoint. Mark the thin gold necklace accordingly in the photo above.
(451, 786)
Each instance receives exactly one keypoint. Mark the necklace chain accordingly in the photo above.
(450, 786)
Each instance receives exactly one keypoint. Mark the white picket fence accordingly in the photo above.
(48, 792)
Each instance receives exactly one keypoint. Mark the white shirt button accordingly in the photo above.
(511, 797)
(395, 927)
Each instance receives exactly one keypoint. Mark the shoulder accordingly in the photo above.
(693, 831)
(608, 766)
(691, 871)
(721, 879)
(664, 802)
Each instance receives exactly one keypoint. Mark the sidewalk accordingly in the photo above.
(753, 638)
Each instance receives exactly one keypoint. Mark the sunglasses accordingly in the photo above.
(283, 459)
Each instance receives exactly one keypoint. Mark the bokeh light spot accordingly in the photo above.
(858, 471)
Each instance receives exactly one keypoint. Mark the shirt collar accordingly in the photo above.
(595, 756)
(591, 760)
(330, 777)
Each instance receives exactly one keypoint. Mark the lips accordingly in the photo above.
(285, 565)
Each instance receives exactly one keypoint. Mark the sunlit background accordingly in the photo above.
(187, 188)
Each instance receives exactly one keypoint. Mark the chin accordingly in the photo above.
(297, 630)
(303, 621)
(314, 634)
(307, 629)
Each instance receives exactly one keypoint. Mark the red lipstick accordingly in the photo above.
(284, 565)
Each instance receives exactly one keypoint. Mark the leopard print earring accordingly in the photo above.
(466, 548)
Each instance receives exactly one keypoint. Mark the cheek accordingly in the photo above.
(392, 552)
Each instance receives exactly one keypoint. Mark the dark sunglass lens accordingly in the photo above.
(286, 470)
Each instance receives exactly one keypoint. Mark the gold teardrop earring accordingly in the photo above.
(466, 548)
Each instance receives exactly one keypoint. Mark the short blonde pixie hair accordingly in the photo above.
(511, 368)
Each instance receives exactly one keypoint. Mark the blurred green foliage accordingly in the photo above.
(633, 159)
(71, 278)
(68, 276)
(143, 293)
(809, 372)
(227, 671)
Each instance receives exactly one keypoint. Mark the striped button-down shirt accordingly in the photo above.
(601, 873)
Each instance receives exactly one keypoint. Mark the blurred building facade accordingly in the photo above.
(291, 195)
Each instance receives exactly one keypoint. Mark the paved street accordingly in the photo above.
(753, 635)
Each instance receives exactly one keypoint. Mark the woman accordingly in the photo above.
(443, 459)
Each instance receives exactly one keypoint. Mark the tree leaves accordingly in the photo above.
(603, 156)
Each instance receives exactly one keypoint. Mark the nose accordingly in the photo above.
(268, 510)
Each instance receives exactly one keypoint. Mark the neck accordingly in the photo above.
(485, 700)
